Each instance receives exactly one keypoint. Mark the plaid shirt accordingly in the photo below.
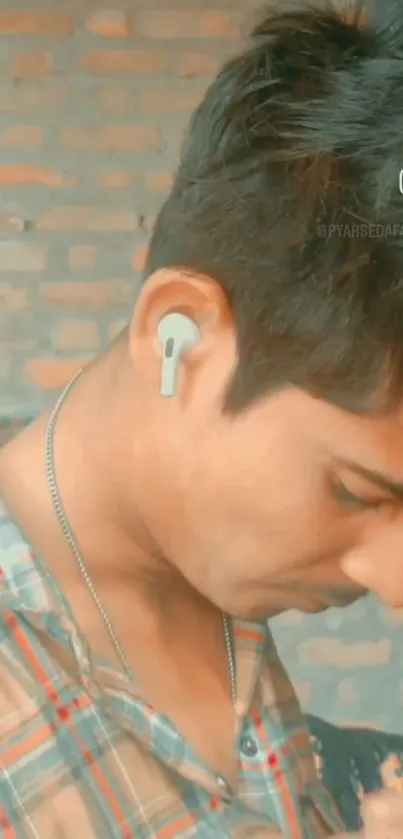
(83, 756)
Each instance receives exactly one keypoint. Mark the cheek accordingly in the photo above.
(379, 565)
(255, 506)
(251, 515)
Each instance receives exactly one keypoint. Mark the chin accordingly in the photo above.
(317, 606)
(293, 600)
(314, 608)
(257, 613)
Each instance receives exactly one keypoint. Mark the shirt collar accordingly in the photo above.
(29, 589)
(23, 580)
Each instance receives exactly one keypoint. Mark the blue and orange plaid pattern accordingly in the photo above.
(82, 756)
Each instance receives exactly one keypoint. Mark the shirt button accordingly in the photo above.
(248, 747)
(224, 786)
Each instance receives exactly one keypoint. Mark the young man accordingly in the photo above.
(146, 539)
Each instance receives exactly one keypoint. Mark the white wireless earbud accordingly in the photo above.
(177, 333)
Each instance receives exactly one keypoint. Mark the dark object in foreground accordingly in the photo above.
(355, 761)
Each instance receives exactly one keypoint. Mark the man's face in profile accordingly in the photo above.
(266, 506)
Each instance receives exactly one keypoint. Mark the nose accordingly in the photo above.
(378, 565)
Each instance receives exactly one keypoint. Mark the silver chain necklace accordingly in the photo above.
(71, 541)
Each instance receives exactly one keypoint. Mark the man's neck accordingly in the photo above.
(156, 615)
(98, 491)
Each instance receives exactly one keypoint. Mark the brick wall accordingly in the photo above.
(93, 101)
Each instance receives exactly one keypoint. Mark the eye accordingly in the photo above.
(346, 498)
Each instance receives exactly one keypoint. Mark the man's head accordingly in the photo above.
(282, 238)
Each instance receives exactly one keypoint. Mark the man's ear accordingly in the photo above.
(194, 308)
(178, 334)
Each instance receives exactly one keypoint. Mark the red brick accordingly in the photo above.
(26, 64)
(110, 24)
(76, 335)
(219, 24)
(139, 257)
(88, 218)
(85, 294)
(156, 100)
(159, 181)
(25, 22)
(193, 64)
(185, 23)
(21, 174)
(22, 256)
(82, 257)
(52, 373)
(115, 179)
(24, 136)
(13, 298)
(106, 62)
(111, 138)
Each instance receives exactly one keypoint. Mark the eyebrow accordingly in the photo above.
(379, 478)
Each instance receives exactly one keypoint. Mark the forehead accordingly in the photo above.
(318, 427)
(375, 441)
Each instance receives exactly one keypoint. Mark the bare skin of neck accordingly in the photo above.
(156, 615)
